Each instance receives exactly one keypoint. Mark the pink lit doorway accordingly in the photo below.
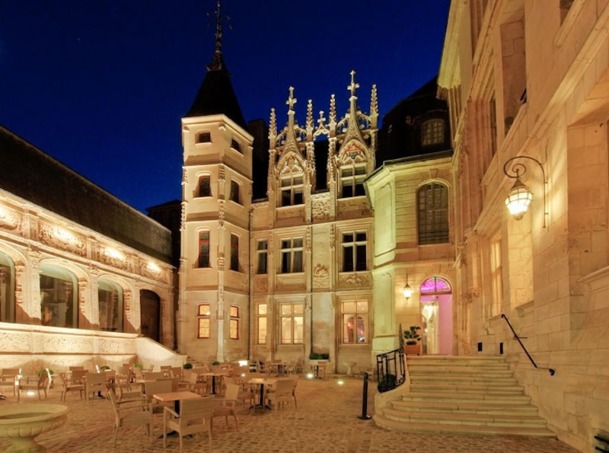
(437, 316)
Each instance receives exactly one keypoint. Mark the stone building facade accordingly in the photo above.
(75, 260)
(526, 83)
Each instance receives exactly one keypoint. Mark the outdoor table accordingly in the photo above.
(213, 375)
(261, 382)
(176, 397)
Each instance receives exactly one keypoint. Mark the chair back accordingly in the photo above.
(153, 375)
(152, 387)
(232, 391)
(285, 386)
(79, 375)
(196, 409)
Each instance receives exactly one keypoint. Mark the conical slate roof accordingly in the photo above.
(216, 96)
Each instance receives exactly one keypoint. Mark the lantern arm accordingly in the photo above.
(518, 169)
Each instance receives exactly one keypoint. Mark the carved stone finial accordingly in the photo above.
(354, 86)
(217, 62)
(273, 125)
(291, 101)
(321, 121)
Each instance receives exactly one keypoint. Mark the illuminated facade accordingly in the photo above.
(526, 84)
(74, 259)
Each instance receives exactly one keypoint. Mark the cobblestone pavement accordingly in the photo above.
(326, 420)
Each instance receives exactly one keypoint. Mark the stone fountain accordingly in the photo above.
(21, 423)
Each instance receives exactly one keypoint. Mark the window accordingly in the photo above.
(7, 289)
(433, 213)
(291, 255)
(352, 180)
(355, 322)
(432, 132)
(204, 186)
(203, 137)
(354, 251)
(204, 321)
(262, 252)
(262, 323)
(291, 190)
(58, 297)
(233, 328)
(234, 252)
(110, 300)
(235, 145)
(292, 323)
(234, 192)
(496, 278)
(203, 260)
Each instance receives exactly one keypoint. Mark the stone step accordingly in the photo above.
(404, 426)
(458, 369)
(462, 380)
(507, 399)
(473, 419)
(485, 407)
(465, 388)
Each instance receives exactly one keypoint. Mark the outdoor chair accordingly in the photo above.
(68, 386)
(228, 404)
(195, 417)
(34, 383)
(130, 412)
(9, 377)
(282, 392)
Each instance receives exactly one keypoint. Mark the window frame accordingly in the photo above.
(262, 257)
(354, 246)
(234, 252)
(292, 191)
(291, 265)
(234, 323)
(204, 190)
(288, 321)
(433, 131)
(235, 192)
(356, 315)
(204, 320)
(432, 214)
(260, 316)
(203, 258)
(354, 181)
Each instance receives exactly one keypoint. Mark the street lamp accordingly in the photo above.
(520, 197)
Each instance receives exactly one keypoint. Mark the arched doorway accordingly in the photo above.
(150, 309)
(437, 316)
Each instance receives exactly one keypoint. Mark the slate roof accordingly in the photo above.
(29, 173)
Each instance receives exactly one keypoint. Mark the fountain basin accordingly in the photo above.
(21, 423)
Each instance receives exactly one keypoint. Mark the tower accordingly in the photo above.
(216, 199)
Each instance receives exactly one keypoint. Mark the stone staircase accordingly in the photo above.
(462, 394)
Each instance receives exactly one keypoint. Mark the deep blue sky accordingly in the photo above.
(101, 85)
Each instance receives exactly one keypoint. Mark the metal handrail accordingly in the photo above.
(390, 370)
(550, 370)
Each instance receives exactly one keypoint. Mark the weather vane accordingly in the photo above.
(217, 62)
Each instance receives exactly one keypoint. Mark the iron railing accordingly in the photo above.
(390, 370)
(518, 338)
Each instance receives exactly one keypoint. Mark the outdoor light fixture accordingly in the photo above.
(520, 197)
(407, 291)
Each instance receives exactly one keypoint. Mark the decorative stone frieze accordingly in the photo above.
(320, 276)
(354, 280)
(61, 239)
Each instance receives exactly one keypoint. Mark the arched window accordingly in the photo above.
(432, 132)
(110, 297)
(58, 297)
(432, 215)
(435, 285)
(7, 289)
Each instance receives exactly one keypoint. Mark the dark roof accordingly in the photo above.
(400, 135)
(216, 96)
(29, 173)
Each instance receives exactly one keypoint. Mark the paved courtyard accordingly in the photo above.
(326, 420)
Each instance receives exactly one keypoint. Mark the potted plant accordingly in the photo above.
(412, 337)
(187, 366)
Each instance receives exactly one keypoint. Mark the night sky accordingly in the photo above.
(101, 85)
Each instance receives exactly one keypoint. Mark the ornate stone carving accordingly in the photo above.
(61, 239)
(9, 220)
(320, 276)
(321, 206)
(355, 279)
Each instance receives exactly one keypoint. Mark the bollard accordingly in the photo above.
(365, 415)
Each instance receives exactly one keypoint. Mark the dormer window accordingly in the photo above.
(352, 180)
(291, 190)
(432, 132)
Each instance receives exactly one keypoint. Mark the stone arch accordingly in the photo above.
(437, 314)
(150, 314)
